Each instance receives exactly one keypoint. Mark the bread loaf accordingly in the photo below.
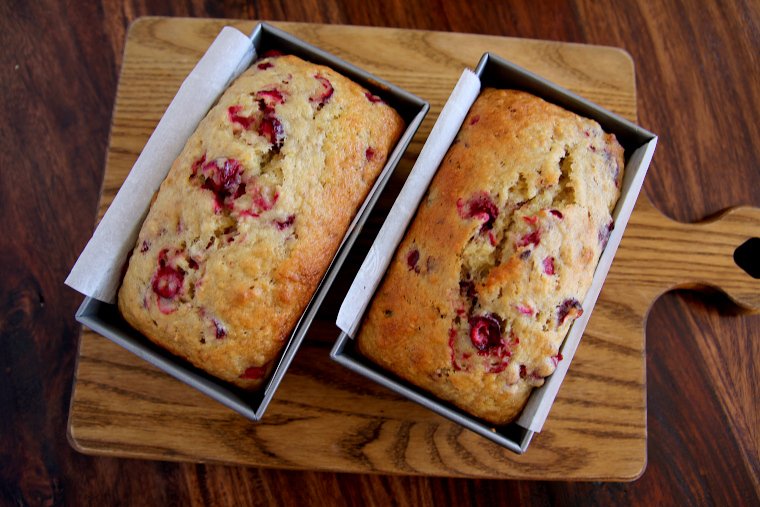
(251, 214)
(498, 259)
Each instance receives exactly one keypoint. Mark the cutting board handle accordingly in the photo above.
(699, 255)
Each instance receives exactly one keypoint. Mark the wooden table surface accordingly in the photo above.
(697, 77)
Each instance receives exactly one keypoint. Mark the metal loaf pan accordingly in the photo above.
(106, 320)
(638, 143)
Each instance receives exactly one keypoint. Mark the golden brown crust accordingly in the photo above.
(251, 214)
(491, 273)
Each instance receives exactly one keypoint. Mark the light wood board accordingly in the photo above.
(326, 418)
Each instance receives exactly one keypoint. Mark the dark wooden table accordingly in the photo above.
(698, 87)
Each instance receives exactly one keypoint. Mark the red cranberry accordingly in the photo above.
(240, 191)
(479, 206)
(498, 359)
(568, 308)
(254, 372)
(498, 367)
(557, 213)
(270, 126)
(191, 263)
(233, 113)
(533, 238)
(167, 282)
(485, 331)
(222, 177)
(145, 246)
(475, 119)
(549, 265)
(525, 310)
(531, 220)
(411, 260)
(556, 359)
(452, 340)
(324, 94)
(284, 224)
(271, 129)
(269, 99)
(272, 53)
(219, 329)
(262, 202)
(369, 153)
(372, 98)
(265, 65)
(198, 164)
(162, 257)
(604, 234)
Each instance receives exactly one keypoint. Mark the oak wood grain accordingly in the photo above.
(326, 418)
(696, 64)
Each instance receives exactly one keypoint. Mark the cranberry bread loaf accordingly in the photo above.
(492, 271)
(251, 214)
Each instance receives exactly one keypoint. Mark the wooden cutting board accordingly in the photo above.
(326, 418)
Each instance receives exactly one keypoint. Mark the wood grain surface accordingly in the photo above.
(696, 66)
(343, 422)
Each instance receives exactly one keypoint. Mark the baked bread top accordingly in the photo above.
(251, 214)
(493, 269)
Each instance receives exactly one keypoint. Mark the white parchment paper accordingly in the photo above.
(98, 269)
